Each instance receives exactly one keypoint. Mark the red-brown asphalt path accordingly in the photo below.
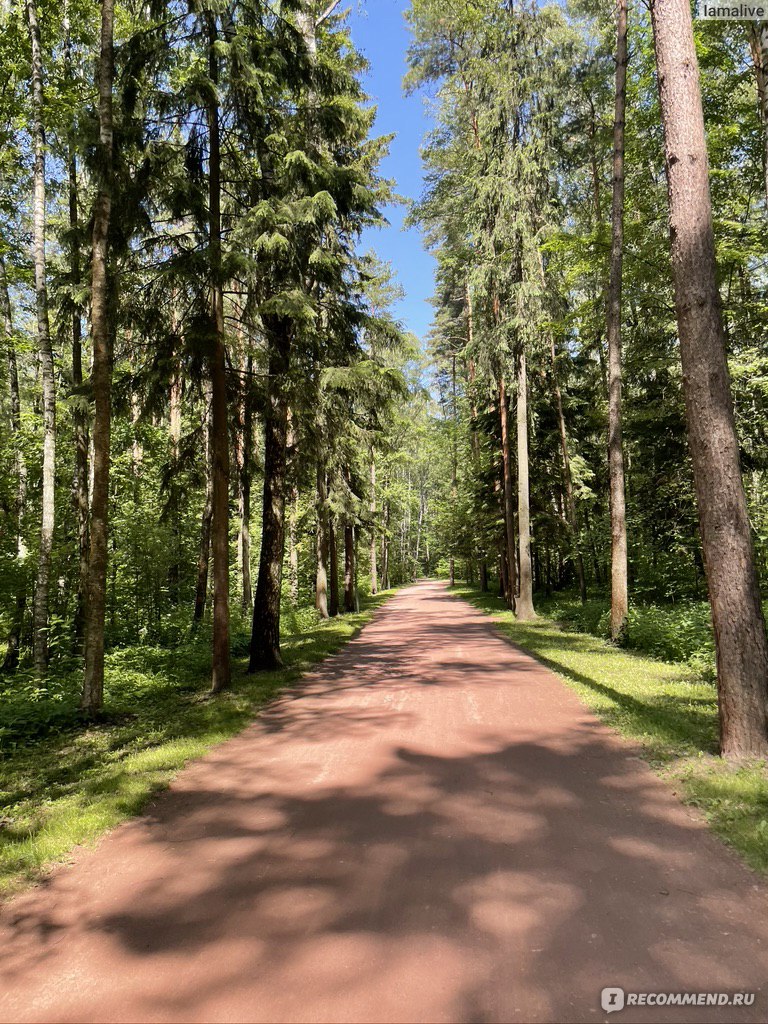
(431, 827)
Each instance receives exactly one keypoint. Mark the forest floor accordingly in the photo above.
(429, 826)
(63, 783)
(667, 707)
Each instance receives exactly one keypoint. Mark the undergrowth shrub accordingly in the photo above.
(674, 632)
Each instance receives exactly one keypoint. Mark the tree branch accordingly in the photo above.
(327, 12)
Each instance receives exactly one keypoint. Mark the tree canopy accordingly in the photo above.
(212, 416)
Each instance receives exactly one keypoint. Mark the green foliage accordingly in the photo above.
(671, 632)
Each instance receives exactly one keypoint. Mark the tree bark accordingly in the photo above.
(174, 401)
(13, 645)
(374, 573)
(355, 583)
(619, 597)
(321, 544)
(350, 597)
(137, 449)
(45, 351)
(201, 589)
(385, 581)
(80, 481)
(333, 553)
(419, 521)
(525, 608)
(508, 496)
(101, 377)
(739, 628)
(454, 469)
(758, 44)
(475, 438)
(293, 549)
(265, 633)
(217, 369)
(570, 500)
(244, 498)
(80, 416)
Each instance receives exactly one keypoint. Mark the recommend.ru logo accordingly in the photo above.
(613, 999)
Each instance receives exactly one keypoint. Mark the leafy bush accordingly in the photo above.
(671, 632)
(30, 706)
(443, 569)
(299, 620)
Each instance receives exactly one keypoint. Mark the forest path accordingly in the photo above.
(431, 827)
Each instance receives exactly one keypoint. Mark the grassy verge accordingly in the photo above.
(666, 707)
(68, 785)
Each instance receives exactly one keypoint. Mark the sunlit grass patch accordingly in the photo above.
(63, 784)
(665, 707)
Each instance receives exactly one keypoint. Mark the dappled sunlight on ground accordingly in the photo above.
(430, 827)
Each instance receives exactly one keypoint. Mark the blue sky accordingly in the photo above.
(380, 32)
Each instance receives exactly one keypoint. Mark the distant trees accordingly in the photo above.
(518, 169)
(190, 335)
(222, 162)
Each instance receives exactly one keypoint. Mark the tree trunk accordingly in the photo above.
(350, 597)
(570, 500)
(454, 470)
(406, 555)
(203, 558)
(11, 659)
(321, 544)
(217, 369)
(80, 414)
(475, 438)
(374, 573)
(245, 506)
(45, 351)
(174, 571)
(525, 608)
(758, 44)
(245, 469)
(137, 449)
(385, 581)
(333, 554)
(265, 634)
(101, 377)
(419, 521)
(471, 371)
(619, 598)
(740, 636)
(508, 496)
(80, 481)
(355, 539)
(293, 550)
(593, 549)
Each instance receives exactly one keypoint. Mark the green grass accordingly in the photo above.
(63, 784)
(666, 707)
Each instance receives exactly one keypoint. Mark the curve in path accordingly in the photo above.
(430, 828)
